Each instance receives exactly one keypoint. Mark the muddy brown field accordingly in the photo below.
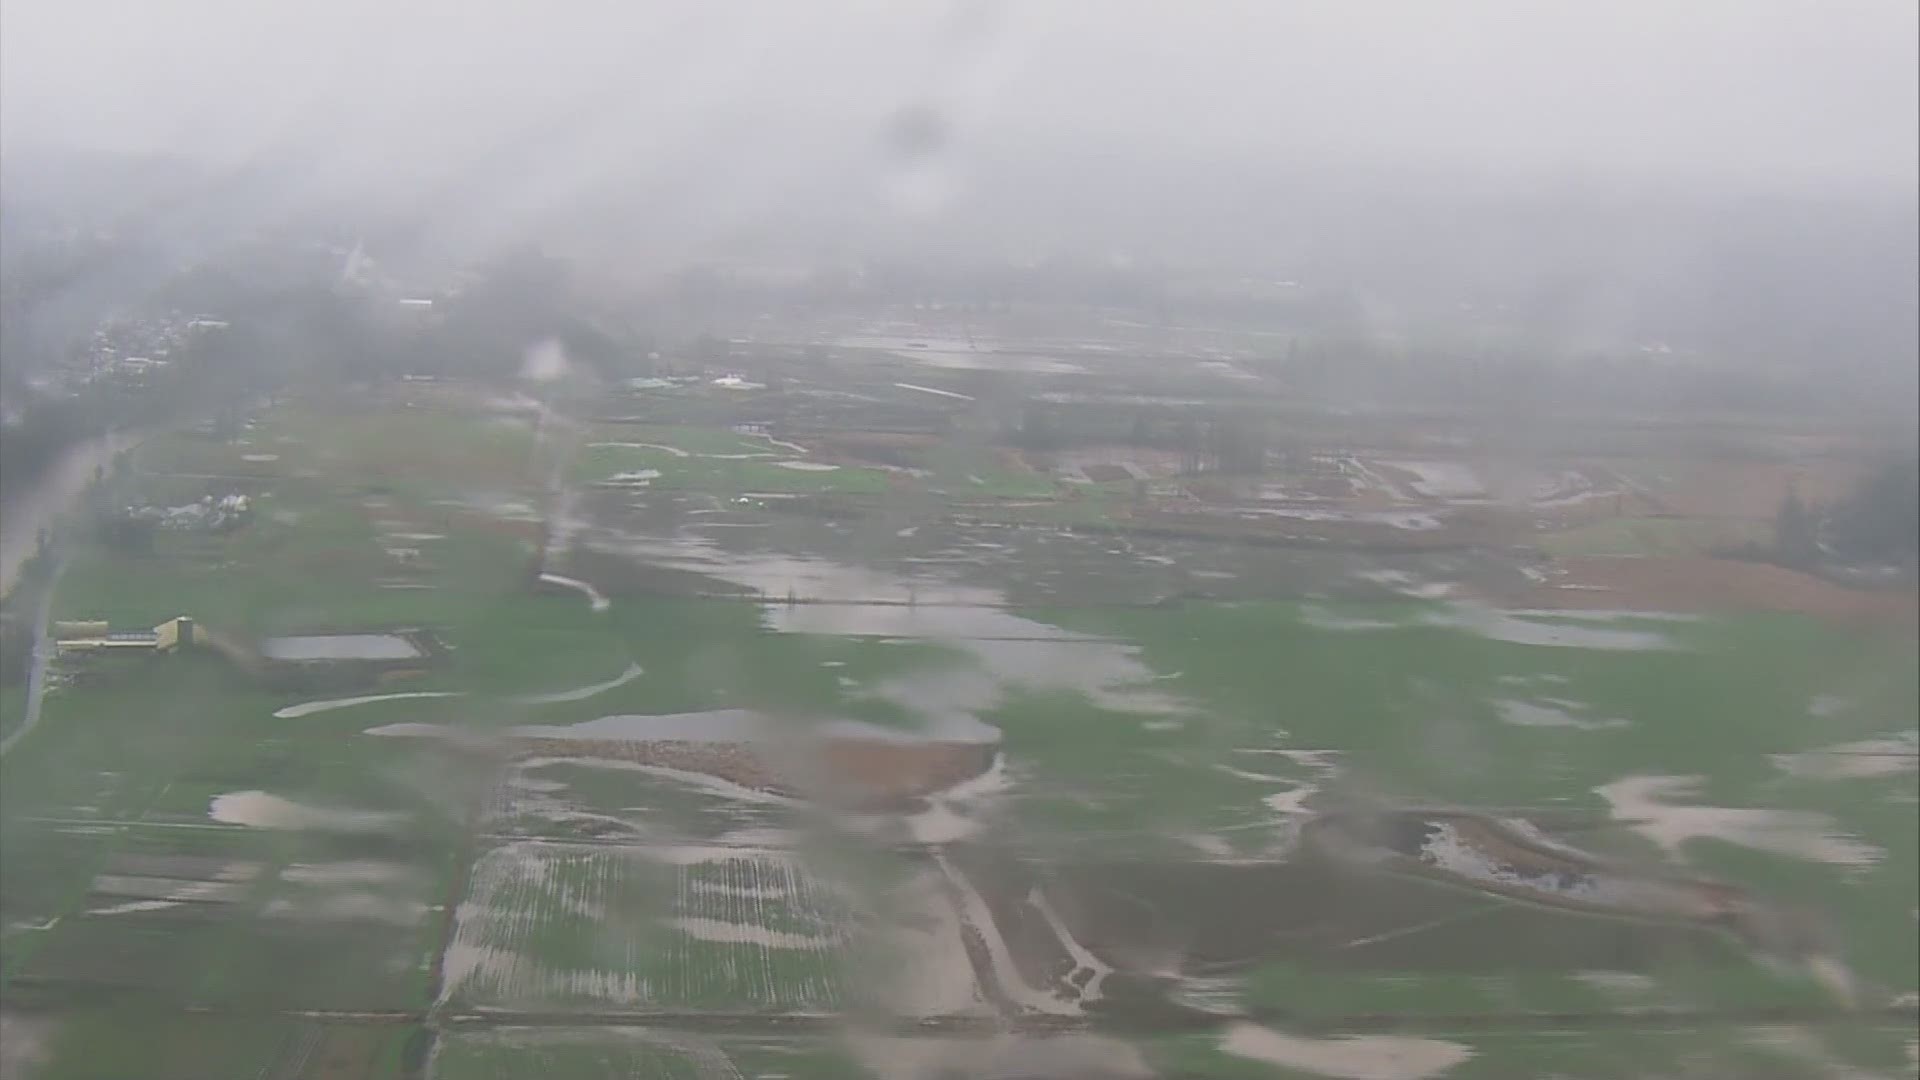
(1707, 584)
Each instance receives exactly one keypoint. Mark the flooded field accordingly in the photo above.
(669, 927)
(339, 647)
(751, 746)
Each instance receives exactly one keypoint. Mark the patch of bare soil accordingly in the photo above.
(857, 773)
(1753, 489)
(874, 448)
(1395, 527)
(1698, 583)
(1145, 460)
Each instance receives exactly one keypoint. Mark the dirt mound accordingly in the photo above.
(1697, 583)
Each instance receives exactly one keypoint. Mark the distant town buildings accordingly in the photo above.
(210, 514)
(127, 350)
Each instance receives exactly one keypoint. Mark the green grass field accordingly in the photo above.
(662, 469)
(713, 460)
(1656, 536)
(982, 471)
(1411, 710)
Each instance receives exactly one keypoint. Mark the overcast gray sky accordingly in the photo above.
(1751, 92)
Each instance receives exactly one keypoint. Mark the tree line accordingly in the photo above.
(1877, 523)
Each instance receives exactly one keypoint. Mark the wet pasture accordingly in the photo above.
(516, 856)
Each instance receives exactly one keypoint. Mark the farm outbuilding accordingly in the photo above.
(94, 636)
